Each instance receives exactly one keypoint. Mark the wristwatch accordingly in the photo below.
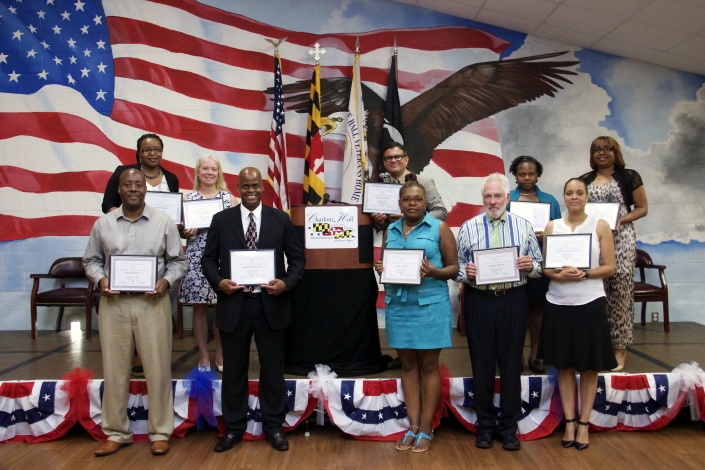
(587, 273)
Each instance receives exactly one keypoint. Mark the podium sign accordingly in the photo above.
(335, 236)
(333, 227)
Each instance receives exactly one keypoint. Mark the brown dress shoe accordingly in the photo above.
(108, 448)
(160, 447)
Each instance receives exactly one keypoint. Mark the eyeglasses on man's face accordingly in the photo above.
(389, 158)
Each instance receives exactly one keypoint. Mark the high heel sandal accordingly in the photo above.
(404, 445)
(565, 443)
(419, 436)
(581, 445)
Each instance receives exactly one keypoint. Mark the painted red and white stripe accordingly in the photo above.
(195, 75)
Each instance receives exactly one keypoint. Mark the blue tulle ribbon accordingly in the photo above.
(201, 386)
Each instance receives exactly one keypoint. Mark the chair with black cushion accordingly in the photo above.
(644, 292)
(63, 269)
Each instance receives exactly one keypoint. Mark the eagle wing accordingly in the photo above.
(335, 93)
(474, 93)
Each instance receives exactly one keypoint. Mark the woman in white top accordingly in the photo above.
(575, 334)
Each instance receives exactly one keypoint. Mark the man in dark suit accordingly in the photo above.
(243, 310)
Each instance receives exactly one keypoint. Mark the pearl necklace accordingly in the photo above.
(528, 194)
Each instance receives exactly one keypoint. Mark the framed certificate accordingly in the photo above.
(198, 214)
(252, 267)
(538, 213)
(132, 273)
(496, 265)
(169, 203)
(569, 249)
(382, 198)
(402, 266)
(607, 211)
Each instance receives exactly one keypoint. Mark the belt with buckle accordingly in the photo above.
(252, 294)
(497, 292)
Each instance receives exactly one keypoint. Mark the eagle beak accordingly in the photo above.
(330, 124)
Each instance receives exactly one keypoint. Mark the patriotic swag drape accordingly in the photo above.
(43, 410)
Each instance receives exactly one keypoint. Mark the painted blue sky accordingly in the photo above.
(643, 95)
(352, 16)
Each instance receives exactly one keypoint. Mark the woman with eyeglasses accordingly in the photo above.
(149, 158)
(527, 171)
(610, 181)
(418, 319)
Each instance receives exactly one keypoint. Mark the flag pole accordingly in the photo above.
(276, 166)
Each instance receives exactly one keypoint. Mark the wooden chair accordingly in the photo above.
(62, 269)
(644, 292)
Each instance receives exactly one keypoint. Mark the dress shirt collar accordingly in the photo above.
(146, 213)
(493, 222)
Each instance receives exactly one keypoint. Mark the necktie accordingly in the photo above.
(251, 235)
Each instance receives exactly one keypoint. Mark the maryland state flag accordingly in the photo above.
(313, 164)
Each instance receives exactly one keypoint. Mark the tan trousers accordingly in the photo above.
(149, 319)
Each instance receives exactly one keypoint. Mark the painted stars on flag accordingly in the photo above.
(57, 43)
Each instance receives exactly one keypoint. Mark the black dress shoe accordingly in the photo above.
(227, 442)
(278, 441)
(537, 367)
(484, 441)
(511, 442)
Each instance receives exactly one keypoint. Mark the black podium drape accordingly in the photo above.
(335, 324)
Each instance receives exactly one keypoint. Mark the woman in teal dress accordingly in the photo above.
(418, 318)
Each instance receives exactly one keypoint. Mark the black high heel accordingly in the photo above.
(565, 443)
(580, 445)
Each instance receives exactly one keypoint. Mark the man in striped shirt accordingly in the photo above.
(496, 314)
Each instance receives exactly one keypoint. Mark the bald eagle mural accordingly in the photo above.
(471, 94)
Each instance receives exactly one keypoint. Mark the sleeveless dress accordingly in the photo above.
(418, 317)
(574, 332)
(620, 287)
(194, 286)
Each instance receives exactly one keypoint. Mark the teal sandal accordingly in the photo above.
(419, 436)
(404, 445)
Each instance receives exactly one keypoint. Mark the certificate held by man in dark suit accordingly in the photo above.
(243, 310)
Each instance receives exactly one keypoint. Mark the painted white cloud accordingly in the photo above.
(558, 132)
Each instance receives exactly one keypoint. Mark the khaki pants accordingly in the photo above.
(149, 320)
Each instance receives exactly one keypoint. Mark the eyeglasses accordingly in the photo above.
(389, 158)
(409, 200)
(606, 148)
(148, 150)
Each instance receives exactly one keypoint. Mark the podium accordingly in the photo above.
(334, 306)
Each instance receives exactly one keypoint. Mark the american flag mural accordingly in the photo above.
(81, 81)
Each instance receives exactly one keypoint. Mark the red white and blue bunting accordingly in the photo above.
(368, 409)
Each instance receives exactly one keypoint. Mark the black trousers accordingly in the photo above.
(236, 359)
(496, 329)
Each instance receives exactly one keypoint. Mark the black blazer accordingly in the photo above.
(276, 232)
(111, 198)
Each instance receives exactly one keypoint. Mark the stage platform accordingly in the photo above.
(677, 445)
(52, 354)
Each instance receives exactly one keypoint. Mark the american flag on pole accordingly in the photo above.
(276, 173)
(195, 75)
